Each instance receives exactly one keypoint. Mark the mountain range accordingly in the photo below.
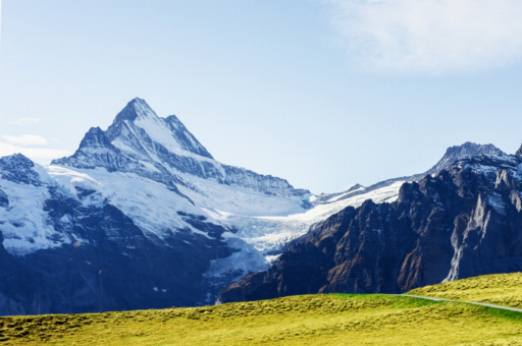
(143, 216)
(463, 219)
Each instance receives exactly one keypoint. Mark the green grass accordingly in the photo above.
(501, 289)
(337, 319)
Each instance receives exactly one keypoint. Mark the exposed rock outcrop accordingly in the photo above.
(462, 222)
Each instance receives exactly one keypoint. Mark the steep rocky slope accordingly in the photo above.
(463, 221)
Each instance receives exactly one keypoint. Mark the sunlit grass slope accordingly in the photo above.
(502, 289)
(303, 320)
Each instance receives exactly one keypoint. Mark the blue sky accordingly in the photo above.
(325, 93)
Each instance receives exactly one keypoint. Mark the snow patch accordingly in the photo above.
(24, 225)
(151, 205)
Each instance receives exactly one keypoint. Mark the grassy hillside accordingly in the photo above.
(303, 320)
(502, 289)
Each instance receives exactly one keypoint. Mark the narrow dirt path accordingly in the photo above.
(486, 305)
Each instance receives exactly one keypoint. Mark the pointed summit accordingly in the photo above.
(137, 126)
(95, 138)
(136, 108)
(137, 135)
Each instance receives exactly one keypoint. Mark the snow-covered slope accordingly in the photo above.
(140, 142)
(162, 149)
(156, 172)
(269, 233)
(23, 220)
(162, 177)
(151, 205)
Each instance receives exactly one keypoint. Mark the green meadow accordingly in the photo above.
(501, 289)
(335, 319)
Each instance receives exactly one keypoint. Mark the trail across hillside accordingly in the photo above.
(486, 305)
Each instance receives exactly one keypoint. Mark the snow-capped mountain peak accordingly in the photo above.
(468, 150)
(141, 143)
(136, 108)
(138, 130)
(163, 149)
(163, 179)
(138, 139)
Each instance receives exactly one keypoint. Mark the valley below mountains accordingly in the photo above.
(143, 216)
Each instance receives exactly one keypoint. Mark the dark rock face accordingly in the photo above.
(18, 169)
(463, 222)
(4, 199)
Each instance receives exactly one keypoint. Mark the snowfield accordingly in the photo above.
(265, 222)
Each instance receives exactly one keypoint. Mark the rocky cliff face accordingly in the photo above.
(464, 221)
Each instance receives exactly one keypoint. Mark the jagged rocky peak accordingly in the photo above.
(19, 169)
(95, 138)
(15, 161)
(136, 107)
(141, 142)
(137, 133)
(95, 150)
(138, 128)
(465, 151)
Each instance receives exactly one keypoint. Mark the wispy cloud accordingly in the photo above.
(33, 146)
(430, 35)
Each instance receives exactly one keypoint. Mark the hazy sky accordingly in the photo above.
(325, 93)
